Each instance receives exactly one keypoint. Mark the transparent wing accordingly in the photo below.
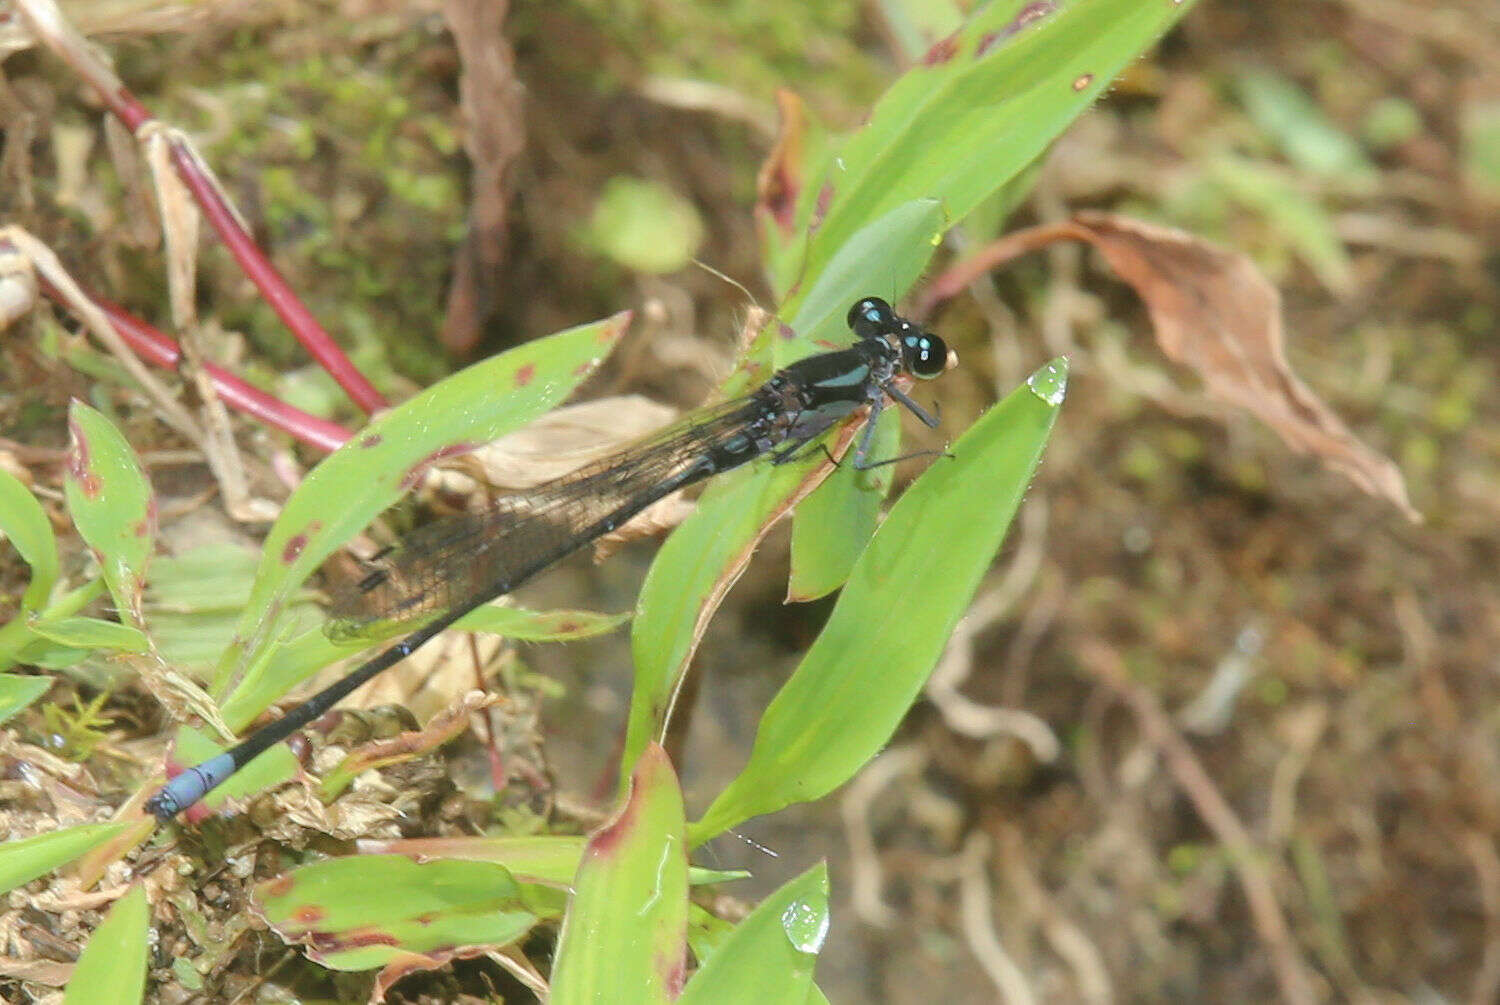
(474, 557)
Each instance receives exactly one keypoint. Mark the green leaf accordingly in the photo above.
(833, 524)
(895, 614)
(111, 505)
(882, 259)
(92, 633)
(48, 655)
(693, 570)
(969, 118)
(769, 957)
(367, 911)
(206, 583)
(625, 933)
(707, 552)
(211, 577)
(112, 968)
(706, 932)
(19, 644)
(643, 225)
(1305, 224)
(916, 25)
(18, 691)
(786, 196)
(282, 668)
(25, 523)
(376, 467)
(1299, 127)
(540, 858)
(25, 860)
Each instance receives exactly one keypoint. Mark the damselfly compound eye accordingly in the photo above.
(924, 355)
(871, 317)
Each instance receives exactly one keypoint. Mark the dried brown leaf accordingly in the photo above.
(441, 728)
(555, 444)
(426, 681)
(653, 521)
(1215, 312)
(46, 972)
(17, 286)
(780, 180)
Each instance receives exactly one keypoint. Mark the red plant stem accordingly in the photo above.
(287, 305)
(155, 347)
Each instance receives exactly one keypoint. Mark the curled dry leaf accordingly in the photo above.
(411, 963)
(1215, 312)
(426, 681)
(560, 442)
(780, 180)
(443, 727)
(353, 816)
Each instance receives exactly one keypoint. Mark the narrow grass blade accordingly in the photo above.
(625, 934)
(112, 969)
(25, 860)
(17, 691)
(769, 957)
(895, 614)
(25, 524)
(111, 505)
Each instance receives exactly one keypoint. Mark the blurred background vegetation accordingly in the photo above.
(1301, 665)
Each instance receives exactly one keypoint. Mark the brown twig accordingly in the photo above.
(979, 926)
(1480, 847)
(490, 98)
(1245, 857)
(49, 26)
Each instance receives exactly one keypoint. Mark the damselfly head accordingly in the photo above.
(922, 353)
(871, 317)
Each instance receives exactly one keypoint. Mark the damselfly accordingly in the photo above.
(457, 564)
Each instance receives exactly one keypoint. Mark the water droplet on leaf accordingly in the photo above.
(806, 925)
(1050, 383)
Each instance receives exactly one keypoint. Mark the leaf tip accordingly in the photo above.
(1050, 382)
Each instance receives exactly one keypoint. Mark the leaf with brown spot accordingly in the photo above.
(626, 926)
(110, 502)
(780, 180)
(388, 911)
(782, 196)
(356, 482)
